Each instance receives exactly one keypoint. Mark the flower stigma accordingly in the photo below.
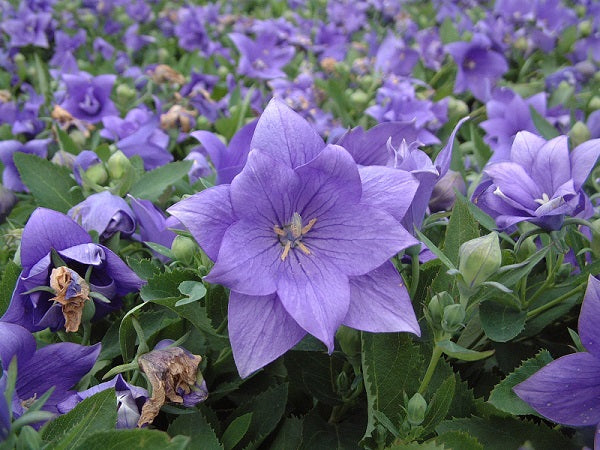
(71, 292)
(290, 236)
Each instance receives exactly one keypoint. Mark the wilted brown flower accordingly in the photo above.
(71, 292)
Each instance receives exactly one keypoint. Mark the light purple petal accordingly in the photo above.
(583, 160)
(260, 330)
(551, 165)
(46, 230)
(515, 183)
(589, 332)
(525, 148)
(566, 391)
(315, 294)
(207, 215)
(379, 303)
(285, 135)
(444, 157)
(15, 341)
(215, 148)
(248, 259)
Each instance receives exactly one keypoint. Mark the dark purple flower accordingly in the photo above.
(10, 177)
(302, 242)
(88, 98)
(49, 231)
(479, 67)
(130, 400)
(60, 366)
(28, 28)
(228, 160)
(263, 58)
(104, 48)
(541, 183)
(104, 213)
(567, 390)
(153, 225)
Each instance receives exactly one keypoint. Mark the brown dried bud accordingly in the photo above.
(66, 120)
(166, 74)
(5, 96)
(178, 116)
(71, 292)
(328, 64)
(170, 372)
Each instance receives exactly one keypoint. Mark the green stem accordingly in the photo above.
(556, 301)
(87, 331)
(435, 357)
(414, 281)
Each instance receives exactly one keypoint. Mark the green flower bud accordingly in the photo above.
(417, 406)
(118, 165)
(479, 259)
(202, 123)
(20, 62)
(342, 382)
(359, 99)
(585, 28)
(457, 108)
(579, 134)
(183, 249)
(521, 44)
(594, 103)
(125, 94)
(454, 317)
(96, 174)
(222, 71)
(438, 304)
(62, 158)
(78, 138)
(163, 55)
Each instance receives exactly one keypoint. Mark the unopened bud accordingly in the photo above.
(62, 158)
(118, 165)
(594, 103)
(479, 259)
(457, 108)
(78, 137)
(585, 28)
(454, 317)
(417, 406)
(579, 134)
(183, 249)
(438, 304)
(443, 195)
(359, 99)
(125, 94)
(97, 174)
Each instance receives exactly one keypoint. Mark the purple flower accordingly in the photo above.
(88, 98)
(541, 183)
(394, 57)
(104, 213)
(10, 177)
(49, 234)
(263, 58)
(130, 400)
(153, 225)
(228, 160)
(200, 166)
(567, 390)
(28, 28)
(57, 365)
(302, 242)
(190, 29)
(479, 67)
(104, 48)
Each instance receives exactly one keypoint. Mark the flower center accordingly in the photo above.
(90, 104)
(290, 235)
(542, 201)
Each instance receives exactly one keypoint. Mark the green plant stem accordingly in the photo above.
(433, 362)
(87, 331)
(414, 281)
(553, 303)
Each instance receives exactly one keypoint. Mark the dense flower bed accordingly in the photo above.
(297, 225)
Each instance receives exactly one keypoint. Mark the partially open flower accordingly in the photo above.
(71, 293)
(172, 372)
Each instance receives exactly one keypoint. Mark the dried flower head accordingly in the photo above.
(71, 292)
(165, 74)
(172, 374)
(178, 116)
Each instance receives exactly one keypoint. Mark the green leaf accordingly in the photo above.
(7, 285)
(448, 32)
(503, 397)
(429, 445)
(152, 184)
(439, 405)
(137, 439)
(392, 364)
(198, 429)
(144, 268)
(501, 323)
(315, 373)
(236, 431)
(50, 185)
(65, 142)
(459, 440)
(496, 433)
(267, 409)
(127, 334)
(289, 436)
(545, 128)
(464, 354)
(194, 290)
(41, 77)
(96, 413)
(318, 434)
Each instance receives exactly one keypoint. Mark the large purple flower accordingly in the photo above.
(57, 365)
(302, 242)
(28, 28)
(263, 58)
(479, 67)
(88, 98)
(567, 390)
(541, 183)
(48, 236)
(10, 177)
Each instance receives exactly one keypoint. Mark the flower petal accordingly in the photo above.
(525, 148)
(59, 365)
(442, 160)
(515, 183)
(566, 391)
(260, 330)
(285, 135)
(551, 165)
(379, 303)
(206, 215)
(583, 160)
(588, 317)
(15, 341)
(46, 230)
